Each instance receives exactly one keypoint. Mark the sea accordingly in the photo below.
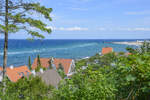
(20, 50)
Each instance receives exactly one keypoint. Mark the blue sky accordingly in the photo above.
(97, 19)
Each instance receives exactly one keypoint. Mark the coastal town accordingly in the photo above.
(48, 68)
(74, 50)
(16, 73)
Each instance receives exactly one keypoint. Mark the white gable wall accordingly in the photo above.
(71, 68)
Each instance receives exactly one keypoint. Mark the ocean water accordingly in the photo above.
(20, 50)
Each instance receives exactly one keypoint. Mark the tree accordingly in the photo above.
(60, 66)
(29, 63)
(5, 28)
(60, 70)
(116, 77)
(38, 63)
(38, 60)
(50, 63)
(86, 85)
(32, 88)
(144, 48)
(132, 77)
(17, 15)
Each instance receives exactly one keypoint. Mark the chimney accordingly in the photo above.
(52, 63)
(11, 67)
(52, 60)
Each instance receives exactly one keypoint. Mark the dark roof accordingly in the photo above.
(50, 77)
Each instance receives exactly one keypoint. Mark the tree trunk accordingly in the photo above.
(5, 46)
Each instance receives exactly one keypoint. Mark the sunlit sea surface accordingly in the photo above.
(20, 50)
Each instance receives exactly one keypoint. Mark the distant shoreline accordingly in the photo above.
(136, 43)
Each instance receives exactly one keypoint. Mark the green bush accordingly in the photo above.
(27, 89)
(86, 85)
(60, 70)
(114, 78)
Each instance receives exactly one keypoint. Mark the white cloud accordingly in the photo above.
(125, 29)
(99, 29)
(68, 29)
(137, 13)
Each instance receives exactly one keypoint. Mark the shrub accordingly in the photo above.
(32, 88)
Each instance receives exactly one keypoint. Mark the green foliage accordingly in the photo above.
(108, 59)
(38, 64)
(86, 85)
(21, 17)
(38, 60)
(114, 77)
(37, 69)
(131, 50)
(60, 70)
(132, 74)
(16, 15)
(32, 88)
(29, 63)
(144, 48)
(44, 68)
(50, 64)
(60, 66)
(121, 53)
(80, 63)
(102, 61)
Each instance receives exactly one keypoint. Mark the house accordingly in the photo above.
(50, 77)
(16, 73)
(67, 64)
(106, 50)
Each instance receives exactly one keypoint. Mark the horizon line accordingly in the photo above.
(78, 39)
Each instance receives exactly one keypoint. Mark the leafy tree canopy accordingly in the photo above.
(32, 88)
(22, 15)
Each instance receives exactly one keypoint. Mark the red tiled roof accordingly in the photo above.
(1, 68)
(107, 50)
(44, 63)
(66, 63)
(16, 73)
